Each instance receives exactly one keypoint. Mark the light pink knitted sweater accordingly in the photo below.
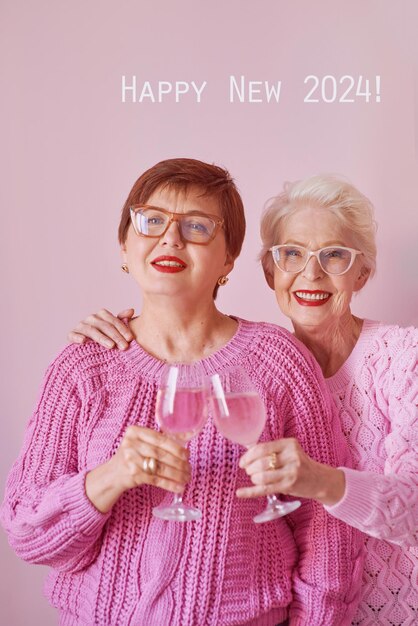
(376, 392)
(127, 567)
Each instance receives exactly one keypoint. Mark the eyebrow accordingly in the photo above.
(192, 212)
(327, 244)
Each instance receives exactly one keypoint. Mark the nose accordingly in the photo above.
(172, 237)
(313, 270)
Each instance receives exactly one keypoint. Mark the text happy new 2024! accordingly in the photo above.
(326, 89)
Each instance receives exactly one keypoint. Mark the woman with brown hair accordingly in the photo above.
(93, 466)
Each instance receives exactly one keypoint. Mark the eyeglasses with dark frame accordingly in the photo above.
(195, 227)
(333, 260)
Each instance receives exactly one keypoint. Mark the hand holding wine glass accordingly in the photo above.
(294, 473)
(144, 456)
(181, 412)
(239, 414)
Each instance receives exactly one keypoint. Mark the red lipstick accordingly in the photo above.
(168, 264)
(306, 297)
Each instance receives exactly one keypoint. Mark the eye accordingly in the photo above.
(154, 220)
(197, 227)
(152, 217)
(335, 253)
(150, 221)
(292, 252)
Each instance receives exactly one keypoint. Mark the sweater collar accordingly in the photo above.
(348, 369)
(137, 360)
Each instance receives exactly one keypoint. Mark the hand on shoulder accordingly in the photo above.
(105, 328)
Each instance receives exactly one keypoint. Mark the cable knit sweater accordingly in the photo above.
(127, 567)
(376, 392)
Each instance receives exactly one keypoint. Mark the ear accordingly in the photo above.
(362, 278)
(229, 263)
(268, 276)
(123, 252)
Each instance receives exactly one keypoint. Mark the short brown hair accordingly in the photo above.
(181, 174)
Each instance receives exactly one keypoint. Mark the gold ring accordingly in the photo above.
(149, 465)
(272, 464)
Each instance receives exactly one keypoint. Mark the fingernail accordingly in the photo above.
(108, 343)
(122, 345)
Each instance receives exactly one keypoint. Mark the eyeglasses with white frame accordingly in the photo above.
(333, 260)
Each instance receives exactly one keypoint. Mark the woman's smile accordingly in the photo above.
(307, 297)
(168, 264)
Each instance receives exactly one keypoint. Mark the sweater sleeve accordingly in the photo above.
(327, 578)
(46, 512)
(385, 506)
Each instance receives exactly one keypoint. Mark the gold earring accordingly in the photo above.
(222, 280)
(125, 268)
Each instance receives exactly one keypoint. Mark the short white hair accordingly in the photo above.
(354, 211)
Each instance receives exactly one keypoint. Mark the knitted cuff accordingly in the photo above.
(356, 504)
(84, 516)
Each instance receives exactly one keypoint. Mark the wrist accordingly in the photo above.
(102, 488)
(331, 485)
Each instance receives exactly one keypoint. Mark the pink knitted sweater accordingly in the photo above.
(376, 392)
(127, 567)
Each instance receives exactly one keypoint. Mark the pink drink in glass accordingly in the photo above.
(183, 416)
(181, 411)
(246, 418)
(239, 414)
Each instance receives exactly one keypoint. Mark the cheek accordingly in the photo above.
(282, 285)
(342, 298)
(137, 249)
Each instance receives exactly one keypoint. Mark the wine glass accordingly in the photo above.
(240, 416)
(181, 412)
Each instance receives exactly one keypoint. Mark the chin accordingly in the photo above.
(303, 316)
(310, 317)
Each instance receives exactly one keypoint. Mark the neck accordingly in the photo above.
(332, 345)
(180, 331)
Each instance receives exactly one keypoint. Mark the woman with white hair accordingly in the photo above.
(318, 250)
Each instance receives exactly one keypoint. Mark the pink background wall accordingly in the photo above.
(72, 149)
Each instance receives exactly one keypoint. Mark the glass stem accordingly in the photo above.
(272, 500)
(178, 497)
